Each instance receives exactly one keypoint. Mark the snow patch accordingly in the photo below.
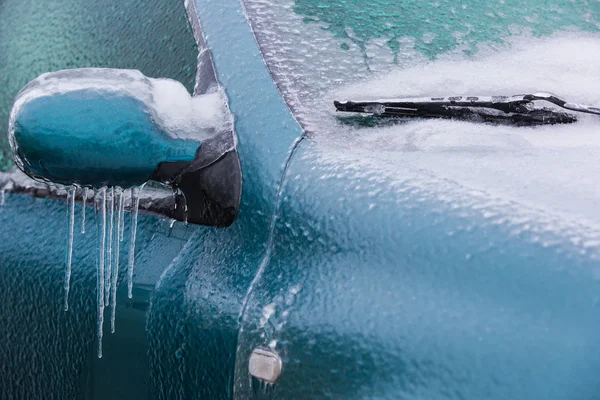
(551, 168)
(174, 109)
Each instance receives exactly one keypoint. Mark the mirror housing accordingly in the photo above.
(96, 127)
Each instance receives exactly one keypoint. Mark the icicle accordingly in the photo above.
(135, 202)
(108, 266)
(177, 193)
(121, 220)
(185, 210)
(71, 219)
(84, 196)
(115, 269)
(100, 272)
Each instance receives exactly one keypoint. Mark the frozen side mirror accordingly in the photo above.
(97, 127)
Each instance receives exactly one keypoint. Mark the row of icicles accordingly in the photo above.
(107, 203)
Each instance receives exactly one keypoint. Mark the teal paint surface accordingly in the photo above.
(379, 285)
(96, 139)
(152, 36)
(389, 305)
(400, 294)
(442, 25)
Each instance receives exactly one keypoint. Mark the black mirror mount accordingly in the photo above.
(210, 195)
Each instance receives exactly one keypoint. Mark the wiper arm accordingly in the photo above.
(517, 109)
(562, 103)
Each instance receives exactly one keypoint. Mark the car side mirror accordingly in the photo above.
(97, 127)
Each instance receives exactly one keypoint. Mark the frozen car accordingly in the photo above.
(324, 255)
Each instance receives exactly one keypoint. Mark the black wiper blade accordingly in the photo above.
(517, 109)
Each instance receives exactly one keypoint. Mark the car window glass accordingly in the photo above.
(313, 46)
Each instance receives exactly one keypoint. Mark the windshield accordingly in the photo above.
(313, 47)
(319, 51)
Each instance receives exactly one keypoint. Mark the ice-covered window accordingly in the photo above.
(314, 47)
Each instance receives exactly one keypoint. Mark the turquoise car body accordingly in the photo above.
(367, 283)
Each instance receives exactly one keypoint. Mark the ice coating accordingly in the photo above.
(551, 169)
(180, 114)
(71, 219)
(115, 270)
(8, 186)
(135, 201)
(101, 214)
(344, 42)
(109, 255)
(105, 127)
(548, 168)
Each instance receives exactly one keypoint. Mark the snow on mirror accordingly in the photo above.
(110, 131)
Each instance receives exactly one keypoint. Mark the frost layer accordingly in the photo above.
(107, 127)
(553, 169)
(174, 109)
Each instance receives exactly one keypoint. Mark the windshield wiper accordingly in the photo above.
(518, 110)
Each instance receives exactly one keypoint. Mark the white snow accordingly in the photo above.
(189, 117)
(550, 168)
(173, 108)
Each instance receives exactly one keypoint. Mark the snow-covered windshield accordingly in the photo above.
(314, 47)
(321, 50)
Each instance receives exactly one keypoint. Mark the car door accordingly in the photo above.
(46, 352)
